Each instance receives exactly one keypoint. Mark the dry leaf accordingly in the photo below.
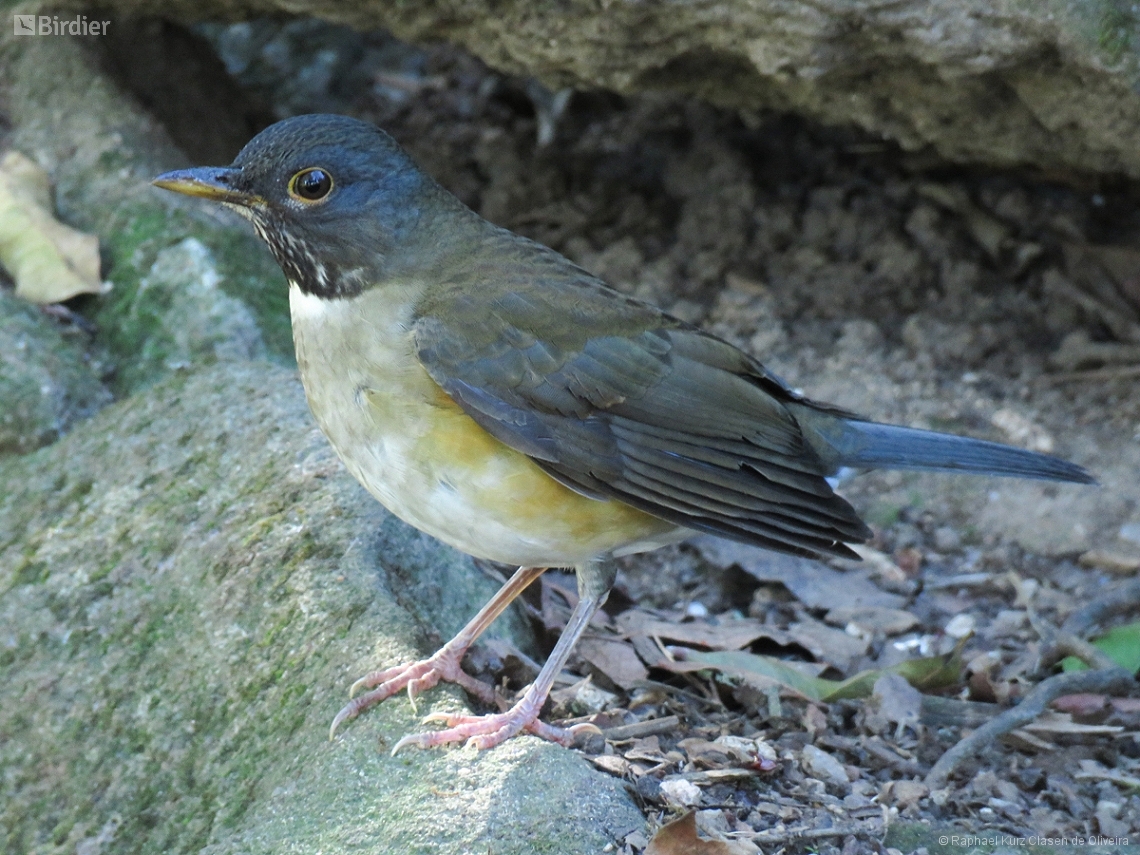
(617, 766)
(814, 584)
(725, 635)
(893, 701)
(1084, 704)
(616, 659)
(1057, 723)
(49, 261)
(1113, 562)
(934, 672)
(680, 838)
(833, 646)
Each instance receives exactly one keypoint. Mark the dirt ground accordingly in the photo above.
(1005, 305)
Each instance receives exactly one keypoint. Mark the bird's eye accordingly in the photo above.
(310, 185)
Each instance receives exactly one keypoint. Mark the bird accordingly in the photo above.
(495, 395)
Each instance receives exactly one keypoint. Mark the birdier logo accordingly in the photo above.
(53, 25)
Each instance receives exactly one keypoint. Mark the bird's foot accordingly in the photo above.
(486, 731)
(415, 677)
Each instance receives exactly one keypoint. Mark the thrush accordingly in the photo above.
(494, 394)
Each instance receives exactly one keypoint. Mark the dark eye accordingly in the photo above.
(310, 185)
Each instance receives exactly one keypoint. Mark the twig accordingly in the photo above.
(1120, 600)
(1103, 680)
(1107, 677)
(641, 728)
(798, 835)
(1057, 644)
(900, 764)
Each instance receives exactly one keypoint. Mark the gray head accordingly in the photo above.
(336, 199)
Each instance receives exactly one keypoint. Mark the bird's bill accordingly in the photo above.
(215, 183)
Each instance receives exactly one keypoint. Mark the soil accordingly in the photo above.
(884, 281)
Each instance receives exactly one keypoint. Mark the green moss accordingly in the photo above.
(1117, 30)
(32, 573)
(131, 324)
(275, 629)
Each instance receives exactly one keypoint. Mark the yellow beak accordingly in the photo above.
(215, 183)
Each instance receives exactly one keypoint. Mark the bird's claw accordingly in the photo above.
(481, 731)
(416, 677)
(486, 731)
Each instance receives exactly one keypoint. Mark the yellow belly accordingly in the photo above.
(428, 462)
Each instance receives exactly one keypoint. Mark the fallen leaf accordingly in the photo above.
(814, 584)
(1084, 704)
(1113, 562)
(680, 838)
(1054, 722)
(50, 262)
(615, 658)
(647, 748)
(833, 646)
(933, 672)
(617, 766)
(893, 701)
(705, 754)
(722, 635)
(584, 697)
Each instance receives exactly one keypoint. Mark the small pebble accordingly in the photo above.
(820, 764)
(960, 626)
(696, 610)
(678, 791)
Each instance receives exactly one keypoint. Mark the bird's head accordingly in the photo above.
(337, 200)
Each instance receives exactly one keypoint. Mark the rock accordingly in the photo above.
(196, 320)
(681, 793)
(46, 380)
(102, 150)
(966, 78)
(819, 764)
(189, 581)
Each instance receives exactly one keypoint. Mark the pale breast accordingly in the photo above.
(425, 460)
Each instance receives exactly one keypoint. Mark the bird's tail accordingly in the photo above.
(858, 444)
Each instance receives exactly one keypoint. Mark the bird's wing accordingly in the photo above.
(618, 400)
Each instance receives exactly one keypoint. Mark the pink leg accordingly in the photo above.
(443, 665)
(486, 731)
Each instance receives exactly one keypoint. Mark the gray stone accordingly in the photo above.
(1002, 82)
(198, 320)
(46, 380)
(188, 583)
(102, 150)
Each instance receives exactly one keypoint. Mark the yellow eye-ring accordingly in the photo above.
(310, 185)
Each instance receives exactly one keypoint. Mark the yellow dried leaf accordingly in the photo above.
(680, 837)
(49, 261)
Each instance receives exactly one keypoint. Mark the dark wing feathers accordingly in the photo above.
(668, 419)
